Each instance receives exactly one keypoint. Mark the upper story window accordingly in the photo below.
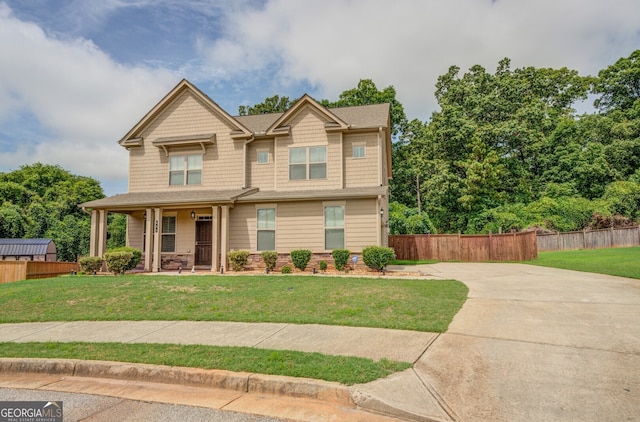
(263, 157)
(358, 151)
(185, 169)
(308, 163)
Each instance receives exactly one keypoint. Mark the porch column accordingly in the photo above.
(93, 239)
(148, 241)
(215, 238)
(102, 233)
(157, 237)
(224, 235)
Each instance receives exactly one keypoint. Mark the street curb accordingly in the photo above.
(213, 378)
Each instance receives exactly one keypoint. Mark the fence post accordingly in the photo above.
(490, 244)
(613, 243)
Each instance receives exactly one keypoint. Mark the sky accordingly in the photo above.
(76, 75)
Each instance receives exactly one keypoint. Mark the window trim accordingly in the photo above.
(273, 207)
(186, 171)
(358, 145)
(326, 205)
(174, 233)
(258, 153)
(308, 163)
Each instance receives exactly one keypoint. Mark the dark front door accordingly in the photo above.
(203, 243)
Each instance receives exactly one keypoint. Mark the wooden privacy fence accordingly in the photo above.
(472, 248)
(595, 239)
(25, 270)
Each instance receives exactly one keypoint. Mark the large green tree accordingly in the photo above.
(41, 200)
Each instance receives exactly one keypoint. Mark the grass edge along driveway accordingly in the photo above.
(422, 305)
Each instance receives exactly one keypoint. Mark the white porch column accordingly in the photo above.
(224, 236)
(102, 233)
(148, 241)
(215, 238)
(157, 238)
(93, 239)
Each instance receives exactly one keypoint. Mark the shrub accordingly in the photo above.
(136, 256)
(286, 269)
(90, 264)
(323, 265)
(377, 257)
(238, 259)
(300, 258)
(117, 262)
(270, 259)
(340, 258)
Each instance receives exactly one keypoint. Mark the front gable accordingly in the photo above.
(305, 104)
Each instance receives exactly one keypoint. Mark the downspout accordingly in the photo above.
(380, 157)
(244, 161)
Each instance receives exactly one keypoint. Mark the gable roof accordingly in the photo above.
(22, 247)
(131, 138)
(305, 101)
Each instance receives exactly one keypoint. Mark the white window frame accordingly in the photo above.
(356, 147)
(262, 153)
(167, 234)
(185, 168)
(338, 227)
(308, 163)
(265, 229)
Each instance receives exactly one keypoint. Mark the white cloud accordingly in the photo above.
(409, 43)
(79, 95)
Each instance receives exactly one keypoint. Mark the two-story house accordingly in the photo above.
(202, 182)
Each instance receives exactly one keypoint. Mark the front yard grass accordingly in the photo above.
(421, 305)
(623, 262)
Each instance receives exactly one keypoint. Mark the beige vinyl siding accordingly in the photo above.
(307, 130)
(221, 165)
(300, 225)
(360, 224)
(185, 231)
(360, 172)
(135, 230)
(261, 175)
(242, 227)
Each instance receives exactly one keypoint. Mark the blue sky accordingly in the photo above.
(76, 75)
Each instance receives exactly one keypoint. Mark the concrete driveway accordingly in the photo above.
(534, 343)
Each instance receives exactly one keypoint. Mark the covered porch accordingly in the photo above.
(175, 230)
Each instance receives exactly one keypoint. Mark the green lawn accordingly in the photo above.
(347, 370)
(623, 262)
(422, 305)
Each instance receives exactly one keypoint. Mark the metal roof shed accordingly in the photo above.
(28, 250)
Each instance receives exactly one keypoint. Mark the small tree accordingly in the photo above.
(340, 258)
(270, 259)
(238, 259)
(377, 257)
(300, 258)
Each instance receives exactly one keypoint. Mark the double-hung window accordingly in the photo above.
(358, 151)
(168, 234)
(266, 229)
(308, 163)
(185, 169)
(334, 227)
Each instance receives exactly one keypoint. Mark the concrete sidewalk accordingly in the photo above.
(530, 343)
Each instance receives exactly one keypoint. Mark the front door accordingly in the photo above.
(203, 243)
